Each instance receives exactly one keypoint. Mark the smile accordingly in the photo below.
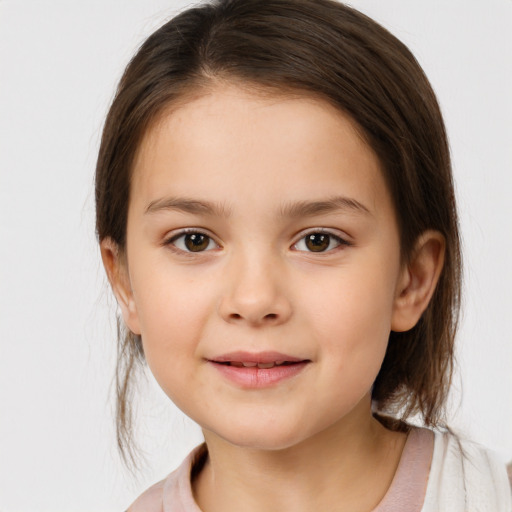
(258, 370)
(244, 364)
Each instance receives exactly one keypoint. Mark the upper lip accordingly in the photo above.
(255, 357)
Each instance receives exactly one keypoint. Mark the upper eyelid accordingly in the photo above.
(186, 231)
(328, 231)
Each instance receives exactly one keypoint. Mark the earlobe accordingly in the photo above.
(117, 273)
(418, 281)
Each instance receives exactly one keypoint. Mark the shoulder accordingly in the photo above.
(464, 453)
(465, 474)
(470, 459)
(150, 500)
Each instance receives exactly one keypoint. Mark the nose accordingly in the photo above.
(254, 293)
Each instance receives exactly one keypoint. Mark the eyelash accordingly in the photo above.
(340, 241)
(172, 240)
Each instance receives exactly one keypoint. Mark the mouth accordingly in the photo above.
(262, 360)
(258, 370)
(248, 364)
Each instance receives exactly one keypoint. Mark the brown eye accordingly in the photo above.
(196, 242)
(193, 242)
(317, 242)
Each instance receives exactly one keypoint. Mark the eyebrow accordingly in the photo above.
(187, 205)
(330, 205)
(289, 210)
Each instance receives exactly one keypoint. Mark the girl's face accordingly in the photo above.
(261, 230)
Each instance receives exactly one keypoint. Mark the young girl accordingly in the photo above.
(276, 216)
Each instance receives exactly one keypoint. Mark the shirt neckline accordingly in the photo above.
(405, 494)
(409, 485)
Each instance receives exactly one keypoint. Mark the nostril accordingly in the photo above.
(237, 316)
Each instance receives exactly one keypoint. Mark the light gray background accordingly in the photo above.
(59, 64)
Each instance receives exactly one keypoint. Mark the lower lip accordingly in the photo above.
(255, 378)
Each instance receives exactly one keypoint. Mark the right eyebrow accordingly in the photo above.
(187, 205)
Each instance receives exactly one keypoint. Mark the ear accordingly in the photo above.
(117, 272)
(418, 281)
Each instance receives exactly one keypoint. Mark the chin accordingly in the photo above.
(268, 438)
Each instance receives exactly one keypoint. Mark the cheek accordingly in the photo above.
(353, 322)
(173, 313)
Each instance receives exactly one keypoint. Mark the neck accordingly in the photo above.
(348, 466)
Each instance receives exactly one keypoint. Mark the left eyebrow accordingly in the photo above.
(330, 205)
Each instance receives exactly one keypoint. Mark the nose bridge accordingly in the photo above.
(254, 290)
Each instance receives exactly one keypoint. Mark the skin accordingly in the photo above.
(309, 442)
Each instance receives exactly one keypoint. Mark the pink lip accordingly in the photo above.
(255, 357)
(254, 377)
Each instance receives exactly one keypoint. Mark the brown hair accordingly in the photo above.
(334, 52)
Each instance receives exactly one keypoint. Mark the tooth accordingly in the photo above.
(237, 364)
(248, 365)
(265, 365)
(279, 362)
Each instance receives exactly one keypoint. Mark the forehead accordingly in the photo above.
(234, 144)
